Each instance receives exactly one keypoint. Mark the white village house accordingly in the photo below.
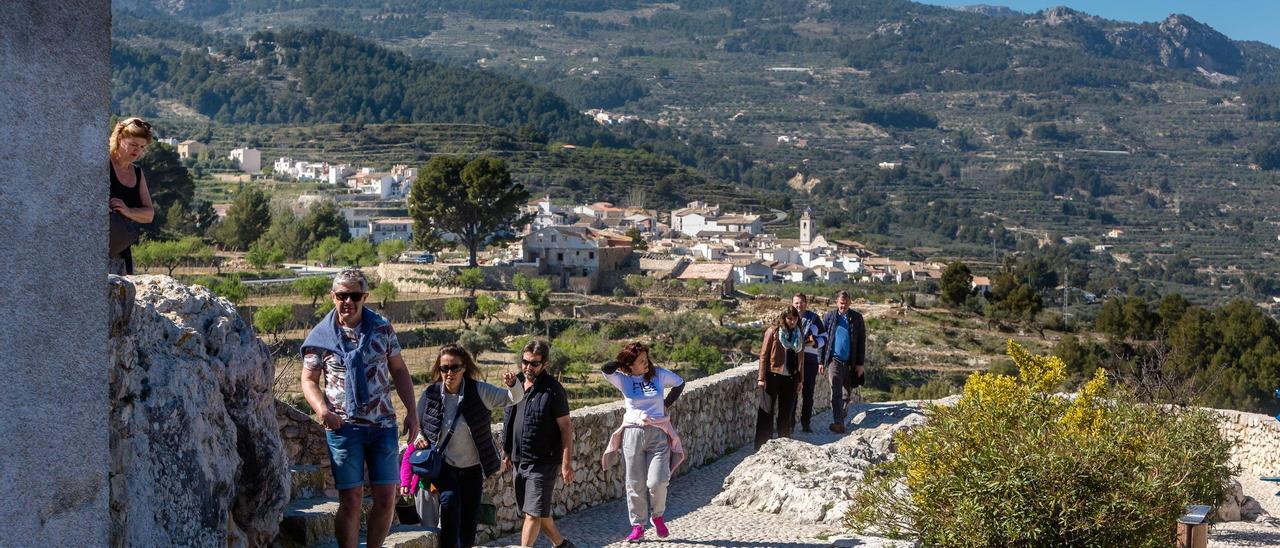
(248, 159)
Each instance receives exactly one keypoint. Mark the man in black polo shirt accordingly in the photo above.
(538, 439)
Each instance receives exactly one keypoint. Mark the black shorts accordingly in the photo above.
(534, 484)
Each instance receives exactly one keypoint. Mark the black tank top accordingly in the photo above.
(131, 196)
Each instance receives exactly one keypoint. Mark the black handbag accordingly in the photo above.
(487, 511)
(122, 233)
(407, 511)
(427, 463)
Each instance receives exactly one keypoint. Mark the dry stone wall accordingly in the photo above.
(1257, 438)
(304, 440)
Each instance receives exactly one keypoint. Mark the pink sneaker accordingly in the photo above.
(637, 534)
(660, 526)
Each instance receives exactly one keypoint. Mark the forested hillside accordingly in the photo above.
(306, 76)
(998, 129)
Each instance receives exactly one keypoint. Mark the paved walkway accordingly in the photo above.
(695, 522)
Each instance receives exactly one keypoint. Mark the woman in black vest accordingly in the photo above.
(457, 399)
(130, 198)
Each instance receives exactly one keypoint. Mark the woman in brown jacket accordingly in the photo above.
(778, 380)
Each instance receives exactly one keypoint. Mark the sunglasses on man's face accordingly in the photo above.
(345, 296)
(450, 368)
(530, 363)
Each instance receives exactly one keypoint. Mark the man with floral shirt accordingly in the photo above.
(356, 352)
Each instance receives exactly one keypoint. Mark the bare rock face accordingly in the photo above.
(1061, 15)
(803, 184)
(1180, 42)
(1187, 43)
(1236, 506)
(196, 454)
(810, 483)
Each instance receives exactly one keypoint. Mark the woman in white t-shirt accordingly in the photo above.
(650, 448)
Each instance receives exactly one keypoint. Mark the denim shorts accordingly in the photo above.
(355, 446)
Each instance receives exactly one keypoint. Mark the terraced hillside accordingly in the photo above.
(750, 94)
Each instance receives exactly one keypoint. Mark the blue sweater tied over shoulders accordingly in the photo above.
(327, 335)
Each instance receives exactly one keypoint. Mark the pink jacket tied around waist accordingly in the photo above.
(615, 441)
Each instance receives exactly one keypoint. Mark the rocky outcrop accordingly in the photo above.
(809, 483)
(1060, 15)
(1180, 42)
(196, 456)
(1187, 43)
(801, 183)
(989, 10)
(1236, 506)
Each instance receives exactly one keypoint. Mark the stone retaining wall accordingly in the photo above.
(411, 277)
(304, 440)
(1258, 441)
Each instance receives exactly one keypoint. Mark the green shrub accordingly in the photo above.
(694, 353)
(228, 287)
(272, 319)
(474, 342)
(517, 343)
(1013, 464)
(457, 309)
(623, 329)
(494, 331)
(422, 312)
(578, 351)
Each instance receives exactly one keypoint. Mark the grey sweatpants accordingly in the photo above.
(646, 456)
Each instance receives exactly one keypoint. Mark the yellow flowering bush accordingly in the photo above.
(1014, 464)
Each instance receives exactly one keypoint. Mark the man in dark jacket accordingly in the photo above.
(538, 439)
(843, 356)
(815, 341)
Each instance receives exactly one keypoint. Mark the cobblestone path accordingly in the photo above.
(695, 522)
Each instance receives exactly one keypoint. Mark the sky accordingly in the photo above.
(1238, 19)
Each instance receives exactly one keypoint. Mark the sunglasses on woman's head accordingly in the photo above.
(450, 368)
(139, 122)
(349, 296)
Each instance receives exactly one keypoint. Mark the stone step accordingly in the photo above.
(307, 481)
(309, 521)
(401, 536)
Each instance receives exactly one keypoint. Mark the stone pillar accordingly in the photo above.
(54, 97)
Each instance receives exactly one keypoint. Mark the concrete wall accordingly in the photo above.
(54, 101)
